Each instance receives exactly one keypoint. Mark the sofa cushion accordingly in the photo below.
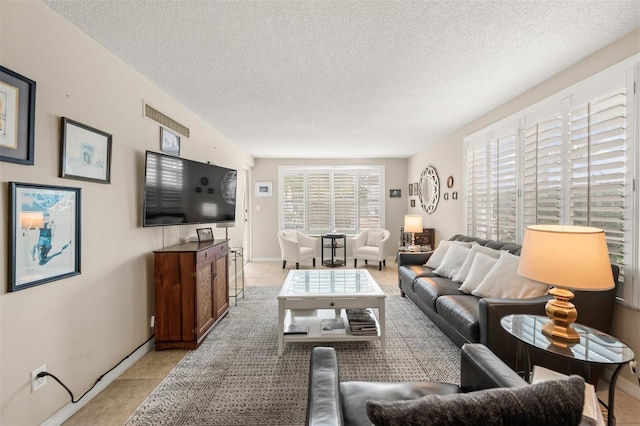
(439, 253)
(481, 266)
(428, 289)
(466, 266)
(452, 261)
(503, 281)
(462, 313)
(355, 394)
(408, 273)
(557, 402)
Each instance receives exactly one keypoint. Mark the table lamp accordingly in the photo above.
(413, 224)
(226, 226)
(566, 257)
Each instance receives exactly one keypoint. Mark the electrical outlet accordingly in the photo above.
(38, 382)
(635, 369)
(153, 321)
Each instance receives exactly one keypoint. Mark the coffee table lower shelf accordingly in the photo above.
(313, 319)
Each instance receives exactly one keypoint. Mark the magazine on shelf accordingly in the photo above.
(296, 329)
(362, 322)
(591, 414)
(333, 325)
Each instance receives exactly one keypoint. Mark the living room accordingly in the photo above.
(81, 326)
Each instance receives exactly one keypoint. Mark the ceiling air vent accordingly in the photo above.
(166, 121)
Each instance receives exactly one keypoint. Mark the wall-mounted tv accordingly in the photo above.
(180, 192)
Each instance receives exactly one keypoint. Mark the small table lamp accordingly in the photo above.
(413, 224)
(226, 226)
(567, 257)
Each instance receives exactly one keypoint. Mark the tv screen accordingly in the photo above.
(179, 191)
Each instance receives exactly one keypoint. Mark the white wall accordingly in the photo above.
(447, 155)
(264, 210)
(81, 326)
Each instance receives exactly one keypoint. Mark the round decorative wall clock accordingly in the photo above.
(429, 189)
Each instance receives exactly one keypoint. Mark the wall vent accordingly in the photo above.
(166, 121)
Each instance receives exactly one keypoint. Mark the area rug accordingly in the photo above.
(237, 378)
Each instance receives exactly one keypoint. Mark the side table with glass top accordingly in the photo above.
(334, 242)
(236, 256)
(594, 347)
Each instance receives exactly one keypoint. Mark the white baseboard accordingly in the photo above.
(70, 409)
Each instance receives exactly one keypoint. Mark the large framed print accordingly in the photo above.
(85, 152)
(44, 234)
(17, 117)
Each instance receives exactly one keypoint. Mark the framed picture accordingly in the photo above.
(204, 234)
(395, 193)
(264, 189)
(85, 152)
(410, 189)
(413, 203)
(44, 234)
(169, 142)
(415, 188)
(17, 117)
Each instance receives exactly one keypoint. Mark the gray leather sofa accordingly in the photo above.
(331, 402)
(465, 318)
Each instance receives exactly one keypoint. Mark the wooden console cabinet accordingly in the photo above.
(192, 292)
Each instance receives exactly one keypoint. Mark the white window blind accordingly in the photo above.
(322, 199)
(572, 156)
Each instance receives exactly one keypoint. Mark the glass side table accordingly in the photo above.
(236, 256)
(594, 347)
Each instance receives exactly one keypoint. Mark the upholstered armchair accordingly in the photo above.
(296, 247)
(368, 245)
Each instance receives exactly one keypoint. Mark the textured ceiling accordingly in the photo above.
(340, 79)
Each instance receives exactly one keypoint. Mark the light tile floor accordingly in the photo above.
(114, 405)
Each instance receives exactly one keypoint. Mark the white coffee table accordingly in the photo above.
(308, 296)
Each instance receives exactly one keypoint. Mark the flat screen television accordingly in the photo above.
(179, 191)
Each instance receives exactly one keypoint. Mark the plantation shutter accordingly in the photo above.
(505, 200)
(369, 200)
(478, 194)
(542, 169)
(344, 201)
(293, 202)
(322, 199)
(319, 201)
(597, 166)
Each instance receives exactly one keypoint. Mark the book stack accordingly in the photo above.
(362, 322)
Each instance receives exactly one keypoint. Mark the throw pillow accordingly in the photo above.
(503, 281)
(480, 267)
(556, 402)
(466, 266)
(452, 261)
(436, 257)
(374, 238)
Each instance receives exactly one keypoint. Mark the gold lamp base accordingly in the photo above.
(562, 314)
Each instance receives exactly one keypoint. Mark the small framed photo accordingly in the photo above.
(169, 142)
(395, 193)
(410, 189)
(415, 188)
(413, 203)
(204, 234)
(44, 234)
(264, 189)
(85, 152)
(17, 117)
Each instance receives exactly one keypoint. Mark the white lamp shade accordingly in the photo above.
(573, 257)
(413, 223)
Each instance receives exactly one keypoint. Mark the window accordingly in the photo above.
(572, 157)
(317, 200)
